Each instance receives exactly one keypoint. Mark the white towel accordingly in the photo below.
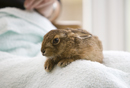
(19, 72)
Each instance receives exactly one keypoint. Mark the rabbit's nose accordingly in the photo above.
(43, 52)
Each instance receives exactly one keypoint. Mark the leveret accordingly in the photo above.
(63, 46)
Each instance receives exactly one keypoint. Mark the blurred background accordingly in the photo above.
(108, 19)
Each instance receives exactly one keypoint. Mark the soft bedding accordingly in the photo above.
(23, 72)
(21, 32)
(22, 65)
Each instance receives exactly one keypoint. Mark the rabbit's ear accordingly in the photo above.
(84, 36)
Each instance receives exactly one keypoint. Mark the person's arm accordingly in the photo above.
(47, 8)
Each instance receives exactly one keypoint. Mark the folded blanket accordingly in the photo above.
(21, 72)
(21, 32)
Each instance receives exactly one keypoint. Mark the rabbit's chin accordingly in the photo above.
(50, 57)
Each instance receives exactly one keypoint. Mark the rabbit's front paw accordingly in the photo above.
(49, 65)
(64, 62)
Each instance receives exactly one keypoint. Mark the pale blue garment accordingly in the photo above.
(21, 32)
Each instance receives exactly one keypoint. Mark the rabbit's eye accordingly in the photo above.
(55, 41)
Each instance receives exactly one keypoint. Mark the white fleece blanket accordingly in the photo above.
(19, 72)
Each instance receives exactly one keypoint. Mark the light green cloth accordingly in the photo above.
(21, 32)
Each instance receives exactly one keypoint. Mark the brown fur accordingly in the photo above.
(73, 44)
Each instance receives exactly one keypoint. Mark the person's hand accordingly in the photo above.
(44, 7)
(37, 4)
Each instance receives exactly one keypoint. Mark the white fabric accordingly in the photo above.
(21, 72)
(21, 32)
